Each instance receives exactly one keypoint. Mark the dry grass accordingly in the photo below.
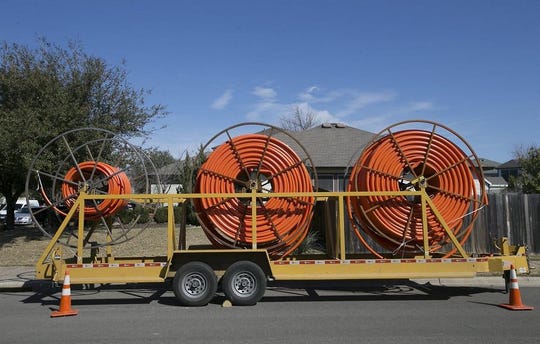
(24, 245)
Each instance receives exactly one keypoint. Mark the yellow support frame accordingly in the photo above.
(52, 264)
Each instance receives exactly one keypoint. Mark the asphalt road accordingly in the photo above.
(402, 312)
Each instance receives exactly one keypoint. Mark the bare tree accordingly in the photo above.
(298, 120)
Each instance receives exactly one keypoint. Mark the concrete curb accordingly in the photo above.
(19, 278)
(484, 281)
(24, 286)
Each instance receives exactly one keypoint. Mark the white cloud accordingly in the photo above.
(324, 98)
(350, 100)
(322, 116)
(266, 104)
(307, 95)
(268, 111)
(397, 112)
(221, 102)
(372, 123)
(362, 99)
(372, 111)
(415, 107)
(264, 92)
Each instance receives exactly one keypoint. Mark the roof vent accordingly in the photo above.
(332, 125)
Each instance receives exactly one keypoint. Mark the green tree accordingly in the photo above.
(165, 164)
(188, 173)
(49, 89)
(160, 158)
(529, 179)
(189, 168)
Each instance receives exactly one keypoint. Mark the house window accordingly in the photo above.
(326, 182)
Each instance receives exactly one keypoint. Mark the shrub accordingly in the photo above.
(311, 244)
(139, 212)
(162, 213)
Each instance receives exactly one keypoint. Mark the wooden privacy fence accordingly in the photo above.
(512, 215)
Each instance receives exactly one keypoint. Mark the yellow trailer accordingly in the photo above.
(414, 192)
(243, 273)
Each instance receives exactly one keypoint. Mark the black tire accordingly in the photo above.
(195, 284)
(244, 283)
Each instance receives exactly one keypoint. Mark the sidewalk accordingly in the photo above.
(19, 278)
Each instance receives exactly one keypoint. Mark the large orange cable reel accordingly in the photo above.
(97, 162)
(264, 164)
(397, 162)
(103, 178)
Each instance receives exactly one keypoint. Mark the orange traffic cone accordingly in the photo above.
(65, 301)
(515, 303)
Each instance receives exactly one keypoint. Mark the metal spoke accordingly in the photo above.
(241, 225)
(231, 179)
(428, 150)
(409, 166)
(263, 155)
(287, 169)
(452, 194)
(237, 154)
(465, 159)
(71, 154)
(270, 220)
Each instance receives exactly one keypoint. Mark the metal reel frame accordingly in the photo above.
(67, 154)
(414, 178)
(254, 181)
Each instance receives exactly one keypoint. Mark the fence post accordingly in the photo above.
(507, 213)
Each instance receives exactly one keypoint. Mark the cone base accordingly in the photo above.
(56, 314)
(516, 308)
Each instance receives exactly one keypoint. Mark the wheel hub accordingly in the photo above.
(194, 285)
(245, 284)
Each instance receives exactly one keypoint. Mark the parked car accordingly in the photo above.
(21, 202)
(23, 217)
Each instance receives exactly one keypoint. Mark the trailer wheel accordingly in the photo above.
(195, 284)
(244, 283)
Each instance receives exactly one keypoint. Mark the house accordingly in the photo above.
(492, 180)
(333, 148)
(489, 167)
(168, 177)
(511, 168)
(495, 184)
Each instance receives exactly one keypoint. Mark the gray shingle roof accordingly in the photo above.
(330, 145)
(496, 181)
(514, 163)
(487, 164)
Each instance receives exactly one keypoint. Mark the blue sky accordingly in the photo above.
(471, 65)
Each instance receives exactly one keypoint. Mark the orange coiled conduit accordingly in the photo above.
(264, 164)
(99, 178)
(396, 162)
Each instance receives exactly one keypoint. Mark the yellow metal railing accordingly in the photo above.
(170, 199)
